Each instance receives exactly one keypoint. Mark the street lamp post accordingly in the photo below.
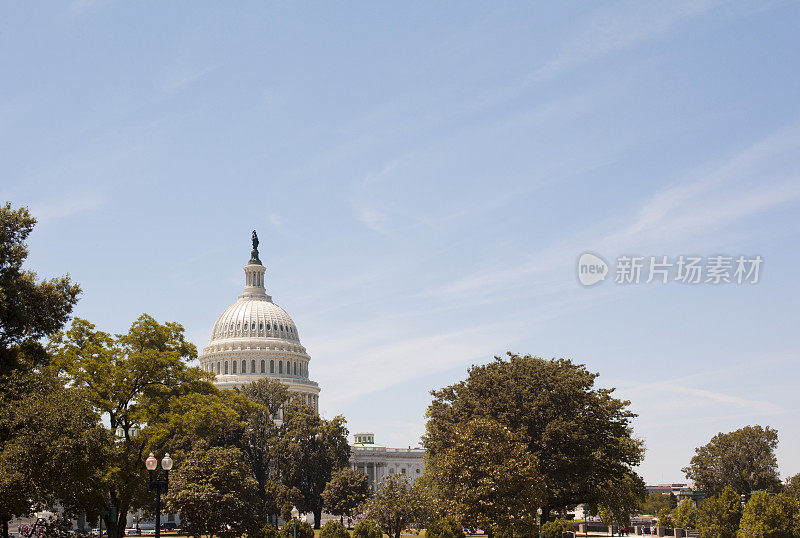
(295, 514)
(158, 483)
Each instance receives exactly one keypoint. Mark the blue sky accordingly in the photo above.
(423, 179)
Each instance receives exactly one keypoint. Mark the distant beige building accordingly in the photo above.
(378, 462)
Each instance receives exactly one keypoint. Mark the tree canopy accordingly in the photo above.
(214, 493)
(718, 516)
(580, 435)
(345, 492)
(487, 478)
(29, 309)
(132, 379)
(47, 433)
(395, 505)
(770, 516)
(309, 451)
(743, 459)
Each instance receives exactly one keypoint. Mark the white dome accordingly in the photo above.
(255, 318)
(255, 338)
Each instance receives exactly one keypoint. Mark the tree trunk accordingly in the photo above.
(5, 528)
(317, 517)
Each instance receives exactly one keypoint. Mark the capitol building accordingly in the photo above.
(255, 338)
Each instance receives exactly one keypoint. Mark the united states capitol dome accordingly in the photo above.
(255, 338)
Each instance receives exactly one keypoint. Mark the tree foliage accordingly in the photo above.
(770, 516)
(334, 529)
(580, 435)
(52, 446)
(743, 459)
(366, 528)
(792, 486)
(488, 478)
(214, 493)
(29, 309)
(132, 380)
(655, 502)
(556, 528)
(309, 451)
(622, 497)
(41, 420)
(718, 516)
(445, 527)
(345, 492)
(260, 440)
(395, 506)
(300, 529)
(685, 515)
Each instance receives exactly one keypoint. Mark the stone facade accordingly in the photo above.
(255, 338)
(378, 462)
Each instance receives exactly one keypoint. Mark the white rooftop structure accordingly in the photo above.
(255, 338)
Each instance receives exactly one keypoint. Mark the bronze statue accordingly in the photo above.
(254, 252)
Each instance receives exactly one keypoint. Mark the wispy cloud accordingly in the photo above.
(180, 78)
(69, 206)
(712, 200)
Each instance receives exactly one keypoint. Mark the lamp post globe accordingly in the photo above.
(158, 481)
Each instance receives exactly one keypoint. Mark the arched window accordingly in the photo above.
(272, 366)
(262, 366)
(253, 326)
(252, 366)
(261, 326)
(234, 367)
(226, 367)
(280, 367)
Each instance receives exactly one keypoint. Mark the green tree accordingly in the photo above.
(580, 435)
(53, 446)
(792, 486)
(395, 506)
(622, 497)
(214, 493)
(556, 528)
(366, 528)
(655, 502)
(685, 515)
(29, 310)
(476, 479)
(39, 418)
(131, 380)
(345, 492)
(743, 459)
(260, 440)
(334, 529)
(445, 527)
(309, 451)
(298, 529)
(665, 519)
(770, 516)
(718, 516)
